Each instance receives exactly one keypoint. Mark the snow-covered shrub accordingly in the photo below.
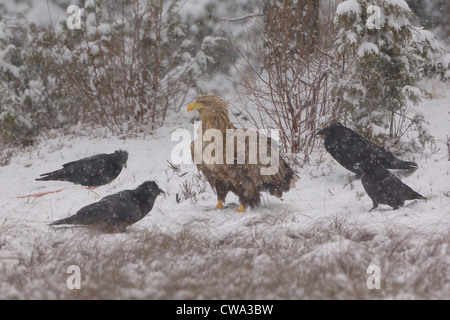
(380, 66)
(14, 127)
(286, 72)
(14, 123)
(7, 101)
(127, 66)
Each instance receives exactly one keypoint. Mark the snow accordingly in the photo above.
(367, 48)
(194, 8)
(445, 62)
(323, 192)
(315, 242)
(446, 59)
(41, 12)
(349, 6)
(89, 4)
(7, 67)
(104, 28)
(401, 3)
(414, 90)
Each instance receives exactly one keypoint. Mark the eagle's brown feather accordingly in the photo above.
(245, 180)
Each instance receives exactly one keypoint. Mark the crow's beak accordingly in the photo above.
(162, 192)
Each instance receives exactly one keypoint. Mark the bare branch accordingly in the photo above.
(240, 19)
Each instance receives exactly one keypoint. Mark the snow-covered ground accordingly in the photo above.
(317, 242)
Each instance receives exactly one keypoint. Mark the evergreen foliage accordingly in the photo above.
(380, 68)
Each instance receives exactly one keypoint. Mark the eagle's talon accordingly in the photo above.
(241, 208)
(219, 205)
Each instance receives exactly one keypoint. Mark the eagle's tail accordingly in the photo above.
(276, 188)
(293, 180)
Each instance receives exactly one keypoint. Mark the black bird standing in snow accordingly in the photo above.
(117, 211)
(350, 149)
(384, 187)
(91, 171)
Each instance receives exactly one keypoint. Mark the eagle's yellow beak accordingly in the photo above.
(194, 106)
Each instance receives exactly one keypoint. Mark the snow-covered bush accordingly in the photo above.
(13, 126)
(286, 71)
(125, 68)
(14, 121)
(380, 66)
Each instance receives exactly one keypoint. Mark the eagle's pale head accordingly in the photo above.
(213, 111)
(209, 104)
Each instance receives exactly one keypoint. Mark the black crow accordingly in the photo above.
(91, 171)
(350, 149)
(117, 211)
(384, 187)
